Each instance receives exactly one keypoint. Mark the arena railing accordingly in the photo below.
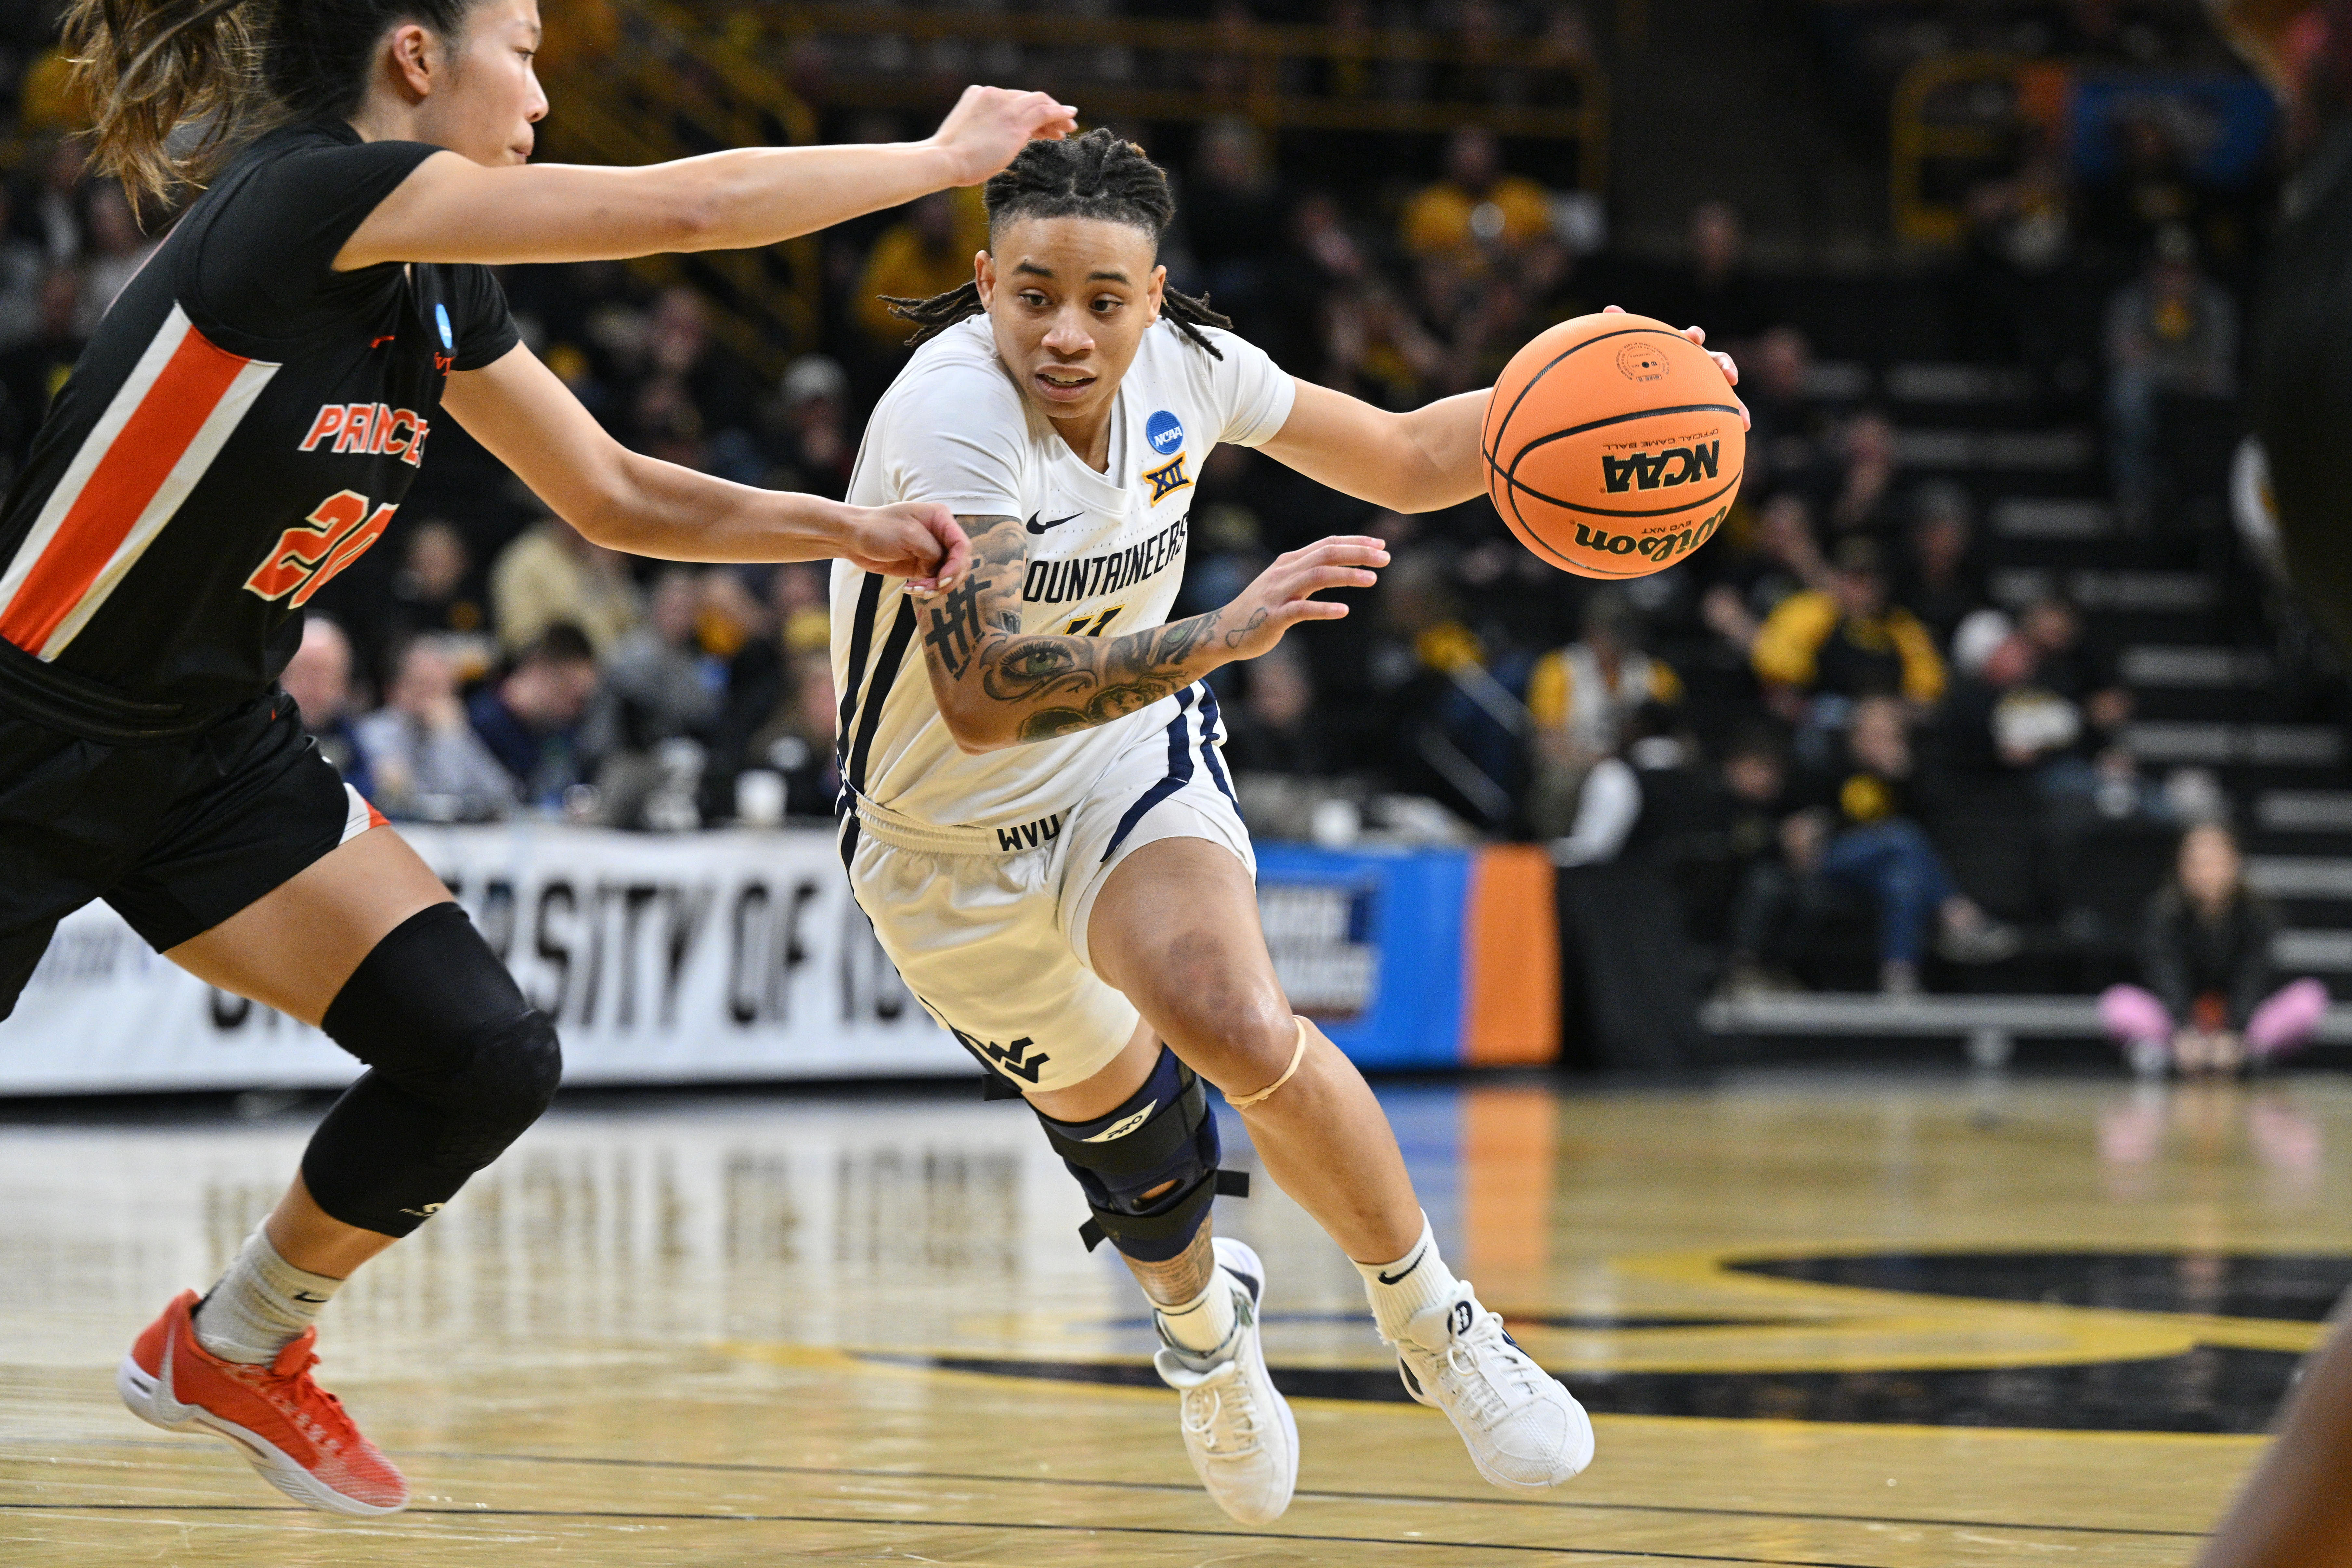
(1279, 77)
(1964, 118)
(657, 82)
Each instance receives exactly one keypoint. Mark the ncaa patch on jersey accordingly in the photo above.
(441, 320)
(1165, 432)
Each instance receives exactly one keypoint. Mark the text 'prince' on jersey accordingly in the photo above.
(243, 424)
(1105, 552)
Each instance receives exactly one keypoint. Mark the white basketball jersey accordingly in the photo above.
(1106, 553)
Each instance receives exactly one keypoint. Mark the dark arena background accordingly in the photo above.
(1757, 958)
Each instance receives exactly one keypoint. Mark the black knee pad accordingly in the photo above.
(460, 1064)
(1165, 1132)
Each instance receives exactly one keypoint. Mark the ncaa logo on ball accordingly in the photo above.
(1165, 432)
(1642, 362)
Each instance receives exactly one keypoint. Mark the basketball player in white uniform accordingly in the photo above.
(1037, 820)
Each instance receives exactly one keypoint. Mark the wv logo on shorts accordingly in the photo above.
(1029, 835)
(1013, 1059)
(1647, 470)
(1166, 481)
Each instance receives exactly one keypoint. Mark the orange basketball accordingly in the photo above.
(1614, 445)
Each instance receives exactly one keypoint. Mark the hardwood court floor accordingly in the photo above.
(1883, 1322)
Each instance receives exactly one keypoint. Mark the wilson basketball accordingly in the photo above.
(1614, 445)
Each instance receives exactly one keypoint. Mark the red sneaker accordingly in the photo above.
(287, 1427)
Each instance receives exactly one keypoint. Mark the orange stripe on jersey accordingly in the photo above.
(159, 431)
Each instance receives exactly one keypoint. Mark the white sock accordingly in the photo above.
(261, 1305)
(1412, 1283)
(1206, 1321)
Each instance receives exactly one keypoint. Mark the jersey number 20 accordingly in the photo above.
(337, 534)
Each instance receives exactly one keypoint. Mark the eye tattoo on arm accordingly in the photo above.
(1055, 685)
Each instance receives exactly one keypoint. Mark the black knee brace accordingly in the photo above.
(1165, 1133)
(460, 1063)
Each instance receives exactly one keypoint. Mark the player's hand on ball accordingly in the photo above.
(1730, 367)
(989, 126)
(1284, 593)
(919, 541)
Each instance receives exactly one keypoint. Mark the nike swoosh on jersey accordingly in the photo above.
(1035, 526)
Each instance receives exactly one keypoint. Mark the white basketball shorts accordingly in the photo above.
(988, 926)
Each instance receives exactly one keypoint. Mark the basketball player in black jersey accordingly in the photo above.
(243, 426)
(2296, 1511)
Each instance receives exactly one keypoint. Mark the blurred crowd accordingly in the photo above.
(1851, 764)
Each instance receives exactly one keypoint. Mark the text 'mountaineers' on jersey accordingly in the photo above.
(1105, 552)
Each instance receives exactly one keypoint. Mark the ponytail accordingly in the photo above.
(144, 67)
(226, 69)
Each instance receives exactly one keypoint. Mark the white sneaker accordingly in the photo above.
(1522, 1427)
(1238, 1433)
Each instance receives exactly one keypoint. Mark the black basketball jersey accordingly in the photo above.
(241, 427)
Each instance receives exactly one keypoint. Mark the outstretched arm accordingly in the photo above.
(998, 686)
(626, 501)
(1412, 462)
(451, 209)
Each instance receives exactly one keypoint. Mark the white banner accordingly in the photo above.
(672, 959)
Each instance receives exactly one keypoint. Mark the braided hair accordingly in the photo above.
(1097, 175)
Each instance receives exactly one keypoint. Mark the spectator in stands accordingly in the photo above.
(1641, 798)
(1581, 698)
(660, 686)
(2171, 334)
(1863, 838)
(1742, 831)
(1716, 288)
(438, 589)
(797, 740)
(428, 763)
(552, 576)
(1786, 438)
(52, 215)
(1477, 211)
(31, 372)
(1940, 582)
(116, 251)
(811, 436)
(1234, 215)
(1846, 640)
(530, 719)
(1271, 730)
(1862, 501)
(1998, 719)
(928, 251)
(2206, 1001)
(22, 268)
(1376, 348)
(319, 678)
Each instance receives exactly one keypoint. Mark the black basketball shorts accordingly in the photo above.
(176, 835)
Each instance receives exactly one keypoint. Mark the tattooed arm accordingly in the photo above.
(998, 686)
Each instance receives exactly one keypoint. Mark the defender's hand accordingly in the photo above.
(919, 541)
(1283, 595)
(989, 126)
(1699, 335)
